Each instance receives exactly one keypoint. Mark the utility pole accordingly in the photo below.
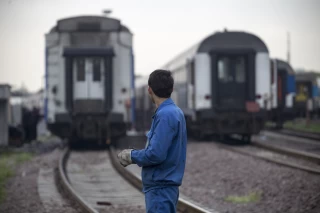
(288, 47)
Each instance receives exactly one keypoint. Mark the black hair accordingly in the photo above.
(161, 83)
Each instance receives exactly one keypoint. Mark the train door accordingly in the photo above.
(88, 78)
(231, 81)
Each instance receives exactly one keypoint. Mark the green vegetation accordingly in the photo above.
(301, 126)
(252, 197)
(269, 124)
(8, 161)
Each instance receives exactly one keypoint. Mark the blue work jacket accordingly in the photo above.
(164, 158)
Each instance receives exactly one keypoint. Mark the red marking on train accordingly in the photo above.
(252, 106)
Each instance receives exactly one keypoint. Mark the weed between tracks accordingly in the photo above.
(312, 127)
(252, 197)
(9, 160)
(299, 125)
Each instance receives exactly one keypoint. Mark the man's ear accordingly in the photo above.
(150, 90)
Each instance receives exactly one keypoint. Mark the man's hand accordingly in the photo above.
(125, 157)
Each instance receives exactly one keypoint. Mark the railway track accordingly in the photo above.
(296, 133)
(88, 195)
(297, 147)
(300, 155)
(308, 135)
(66, 186)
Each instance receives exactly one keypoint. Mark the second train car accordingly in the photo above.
(283, 86)
(222, 84)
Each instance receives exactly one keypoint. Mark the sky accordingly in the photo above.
(162, 29)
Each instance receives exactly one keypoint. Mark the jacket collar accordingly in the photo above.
(163, 104)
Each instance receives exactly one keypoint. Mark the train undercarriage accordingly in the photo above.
(225, 125)
(95, 129)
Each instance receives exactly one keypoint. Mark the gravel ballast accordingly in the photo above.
(212, 174)
(22, 189)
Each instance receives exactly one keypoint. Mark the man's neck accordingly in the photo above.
(159, 101)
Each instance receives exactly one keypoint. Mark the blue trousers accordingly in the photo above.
(162, 200)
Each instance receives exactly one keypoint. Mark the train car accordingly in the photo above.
(283, 86)
(89, 78)
(144, 108)
(308, 96)
(222, 84)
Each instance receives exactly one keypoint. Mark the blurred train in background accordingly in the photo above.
(222, 85)
(283, 89)
(89, 79)
(225, 84)
(307, 94)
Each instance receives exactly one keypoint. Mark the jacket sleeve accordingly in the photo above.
(158, 147)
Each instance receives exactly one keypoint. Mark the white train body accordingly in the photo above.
(89, 71)
(223, 84)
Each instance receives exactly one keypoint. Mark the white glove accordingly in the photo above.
(125, 157)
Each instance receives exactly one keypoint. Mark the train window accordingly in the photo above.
(224, 71)
(240, 70)
(80, 69)
(96, 69)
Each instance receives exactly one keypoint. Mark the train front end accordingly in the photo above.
(88, 80)
(232, 84)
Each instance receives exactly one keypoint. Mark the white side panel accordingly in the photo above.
(263, 83)
(125, 39)
(202, 80)
(190, 96)
(121, 72)
(61, 96)
(274, 94)
(56, 76)
(289, 100)
(53, 62)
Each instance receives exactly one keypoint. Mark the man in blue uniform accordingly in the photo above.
(164, 157)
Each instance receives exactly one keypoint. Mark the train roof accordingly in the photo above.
(89, 23)
(232, 40)
(307, 76)
(218, 41)
(284, 65)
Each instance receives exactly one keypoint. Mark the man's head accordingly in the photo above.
(160, 84)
